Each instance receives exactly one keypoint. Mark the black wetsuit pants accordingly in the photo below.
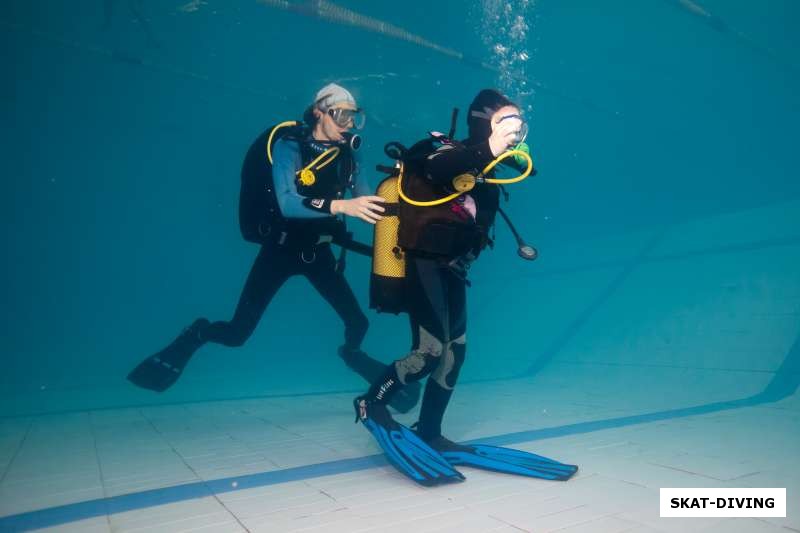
(274, 265)
(438, 316)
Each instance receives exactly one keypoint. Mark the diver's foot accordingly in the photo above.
(406, 398)
(441, 443)
(160, 371)
(407, 452)
(373, 370)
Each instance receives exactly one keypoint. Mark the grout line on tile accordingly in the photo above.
(17, 451)
(99, 465)
(213, 494)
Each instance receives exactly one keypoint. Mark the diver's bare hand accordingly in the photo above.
(503, 136)
(367, 208)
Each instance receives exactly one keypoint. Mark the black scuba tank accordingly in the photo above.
(258, 204)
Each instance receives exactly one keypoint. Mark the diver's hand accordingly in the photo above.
(366, 208)
(503, 136)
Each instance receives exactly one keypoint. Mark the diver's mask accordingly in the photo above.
(347, 118)
(522, 133)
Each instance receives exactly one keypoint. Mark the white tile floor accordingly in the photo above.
(63, 459)
(298, 463)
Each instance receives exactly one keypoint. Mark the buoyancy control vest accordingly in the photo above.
(444, 232)
(260, 218)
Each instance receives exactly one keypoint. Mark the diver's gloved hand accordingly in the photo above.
(366, 208)
(504, 136)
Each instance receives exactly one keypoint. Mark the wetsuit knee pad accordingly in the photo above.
(416, 366)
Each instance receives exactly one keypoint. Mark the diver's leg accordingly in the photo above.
(161, 370)
(333, 286)
(404, 448)
(271, 269)
(439, 390)
(428, 312)
(440, 385)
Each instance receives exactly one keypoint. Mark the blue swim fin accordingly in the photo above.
(504, 460)
(404, 449)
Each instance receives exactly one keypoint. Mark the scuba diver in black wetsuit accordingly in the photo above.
(294, 178)
(447, 198)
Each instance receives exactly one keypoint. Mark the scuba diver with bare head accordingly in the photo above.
(292, 203)
(443, 199)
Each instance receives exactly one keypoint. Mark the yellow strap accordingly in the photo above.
(332, 152)
(272, 134)
(489, 167)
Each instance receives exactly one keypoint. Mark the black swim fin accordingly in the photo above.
(503, 460)
(373, 370)
(404, 449)
(160, 371)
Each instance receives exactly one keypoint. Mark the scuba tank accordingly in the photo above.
(388, 259)
(259, 214)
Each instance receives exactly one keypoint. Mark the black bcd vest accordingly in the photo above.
(260, 218)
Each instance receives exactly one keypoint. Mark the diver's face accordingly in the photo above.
(506, 113)
(327, 128)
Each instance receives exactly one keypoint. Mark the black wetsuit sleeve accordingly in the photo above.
(448, 161)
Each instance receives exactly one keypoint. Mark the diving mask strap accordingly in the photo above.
(486, 114)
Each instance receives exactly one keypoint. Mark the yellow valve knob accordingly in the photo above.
(464, 182)
(307, 177)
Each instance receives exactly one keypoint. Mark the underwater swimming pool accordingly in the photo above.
(653, 342)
